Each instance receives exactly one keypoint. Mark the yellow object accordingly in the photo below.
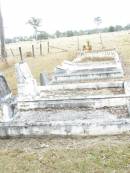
(87, 46)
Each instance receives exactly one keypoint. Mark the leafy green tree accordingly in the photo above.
(127, 27)
(111, 29)
(69, 33)
(118, 28)
(58, 34)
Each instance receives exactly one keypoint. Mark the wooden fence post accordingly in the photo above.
(21, 56)
(12, 52)
(33, 52)
(48, 46)
(40, 49)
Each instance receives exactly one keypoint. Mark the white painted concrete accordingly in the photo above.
(7, 112)
(27, 85)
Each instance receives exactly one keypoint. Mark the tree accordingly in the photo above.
(118, 28)
(111, 29)
(58, 34)
(42, 35)
(2, 38)
(35, 23)
(98, 22)
(127, 27)
(69, 33)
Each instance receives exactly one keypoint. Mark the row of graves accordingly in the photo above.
(86, 96)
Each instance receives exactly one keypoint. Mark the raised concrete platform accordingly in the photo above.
(81, 122)
(81, 128)
(78, 70)
(71, 96)
(95, 108)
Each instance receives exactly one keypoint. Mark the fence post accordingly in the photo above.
(40, 49)
(12, 52)
(33, 52)
(48, 46)
(21, 56)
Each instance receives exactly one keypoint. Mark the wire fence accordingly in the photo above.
(40, 48)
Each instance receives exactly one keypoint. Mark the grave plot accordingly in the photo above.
(68, 109)
(94, 95)
(63, 121)
(78, 68)
(97, 55)
(32, 96)
(90, 66)
(73, 108)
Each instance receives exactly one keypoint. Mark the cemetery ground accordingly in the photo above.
(65, 154)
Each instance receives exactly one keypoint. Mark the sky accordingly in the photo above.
(62, 14)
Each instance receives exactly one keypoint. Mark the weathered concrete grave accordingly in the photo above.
(94, 108)
(92, 95)
(108, 65)
(52, 110)
(97, 55)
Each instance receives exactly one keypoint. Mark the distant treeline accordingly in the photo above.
(44, 35)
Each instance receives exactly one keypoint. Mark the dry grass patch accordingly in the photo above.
(37, 65)
(66, 155)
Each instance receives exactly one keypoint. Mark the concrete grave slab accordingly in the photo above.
(93, 108)
(78, 70)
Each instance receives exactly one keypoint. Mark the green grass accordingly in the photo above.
(100, 158)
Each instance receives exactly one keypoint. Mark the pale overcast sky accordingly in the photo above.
(62, 14)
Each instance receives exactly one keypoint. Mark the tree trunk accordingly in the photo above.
(2, 38)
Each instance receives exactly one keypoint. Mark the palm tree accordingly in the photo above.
(35, 23)
(98, 22)
(2, 38)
